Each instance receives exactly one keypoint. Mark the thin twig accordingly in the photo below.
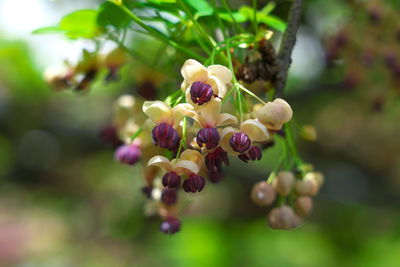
(287, 44)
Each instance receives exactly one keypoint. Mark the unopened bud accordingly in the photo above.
(283, 218)
(316, 177)
(303, 206)
(274, 114)
(284, 182)
(308, 133)
(306, 187)
(263, 194)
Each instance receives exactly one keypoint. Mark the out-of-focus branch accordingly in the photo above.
(287, 44)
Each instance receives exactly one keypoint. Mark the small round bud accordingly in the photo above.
(283, 218)
(284, 182)
(308, 132)
(170, 226)
(303, 206)
(306, 187)
(263, 194)
(316, 177)
(274, 114)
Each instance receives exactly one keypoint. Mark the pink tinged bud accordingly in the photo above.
(240, 142)
(128, 154)
(165, 136)
(263, 194)
(200, 93)
(170, 226)
(195, 183)
(171, 180)
(306, 187)
(303, 206)
(216, 159)
(253, 154)
(169, 196)
(208, 137)
(283, 218)
(284, 182)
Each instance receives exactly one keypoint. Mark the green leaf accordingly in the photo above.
(162, 1)
(110, 14)
(48, 30)
(80, 24)
(272, 21)
(239, 17)
(202, 7)
(268, 8)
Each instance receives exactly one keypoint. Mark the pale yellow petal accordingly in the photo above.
(225, 119)
(192, 155)
(255, 130)
(226, 134)
(157, 111)
(193, 70)
(222, 72)
(161, 162)
(186, 167)
(210, 112)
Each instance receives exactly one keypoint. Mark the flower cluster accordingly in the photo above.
(291, 194)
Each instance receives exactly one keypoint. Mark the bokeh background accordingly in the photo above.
(64, 201)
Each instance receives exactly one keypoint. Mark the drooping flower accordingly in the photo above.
(167, 119)
(209, 118)
(239, 141)
(201, 83)
(216, 159)
(195, 183)
(254, 153)
(128, 154)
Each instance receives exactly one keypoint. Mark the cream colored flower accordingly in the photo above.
(217, 76)
(190, 162)
(274, 114)
(210, 116)
(160, 112)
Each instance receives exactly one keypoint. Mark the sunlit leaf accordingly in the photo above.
(48, 30)
(202, 7)
(81, 23)
(272, 21)
(110, 14)
(240, 18)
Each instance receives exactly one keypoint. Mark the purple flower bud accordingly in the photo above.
(195, 183)
(209, 137)
(169, 196)
(215, 177)
(200, 92)
(146, 190)
(240, 142)
(171, 180)
(170, 226)
(254, 153)
(128, 154)
(215, 160)
(164, 135)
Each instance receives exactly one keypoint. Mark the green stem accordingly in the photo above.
(250, 93)
(255, 16)
(136, 134)
(182, 143)
(235, 23)
(290, 143)
(157, 34)
(219, 21)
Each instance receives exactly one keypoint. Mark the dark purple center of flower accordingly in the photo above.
(208, 137)
(146, 190)
(195, 183)
(164, 135)
(215, 160)
(171, 180)
(169, 196)
(254, 153)
(200, 93)
(240, 142)
(215, 177)
(128, 154)
(170, 226)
